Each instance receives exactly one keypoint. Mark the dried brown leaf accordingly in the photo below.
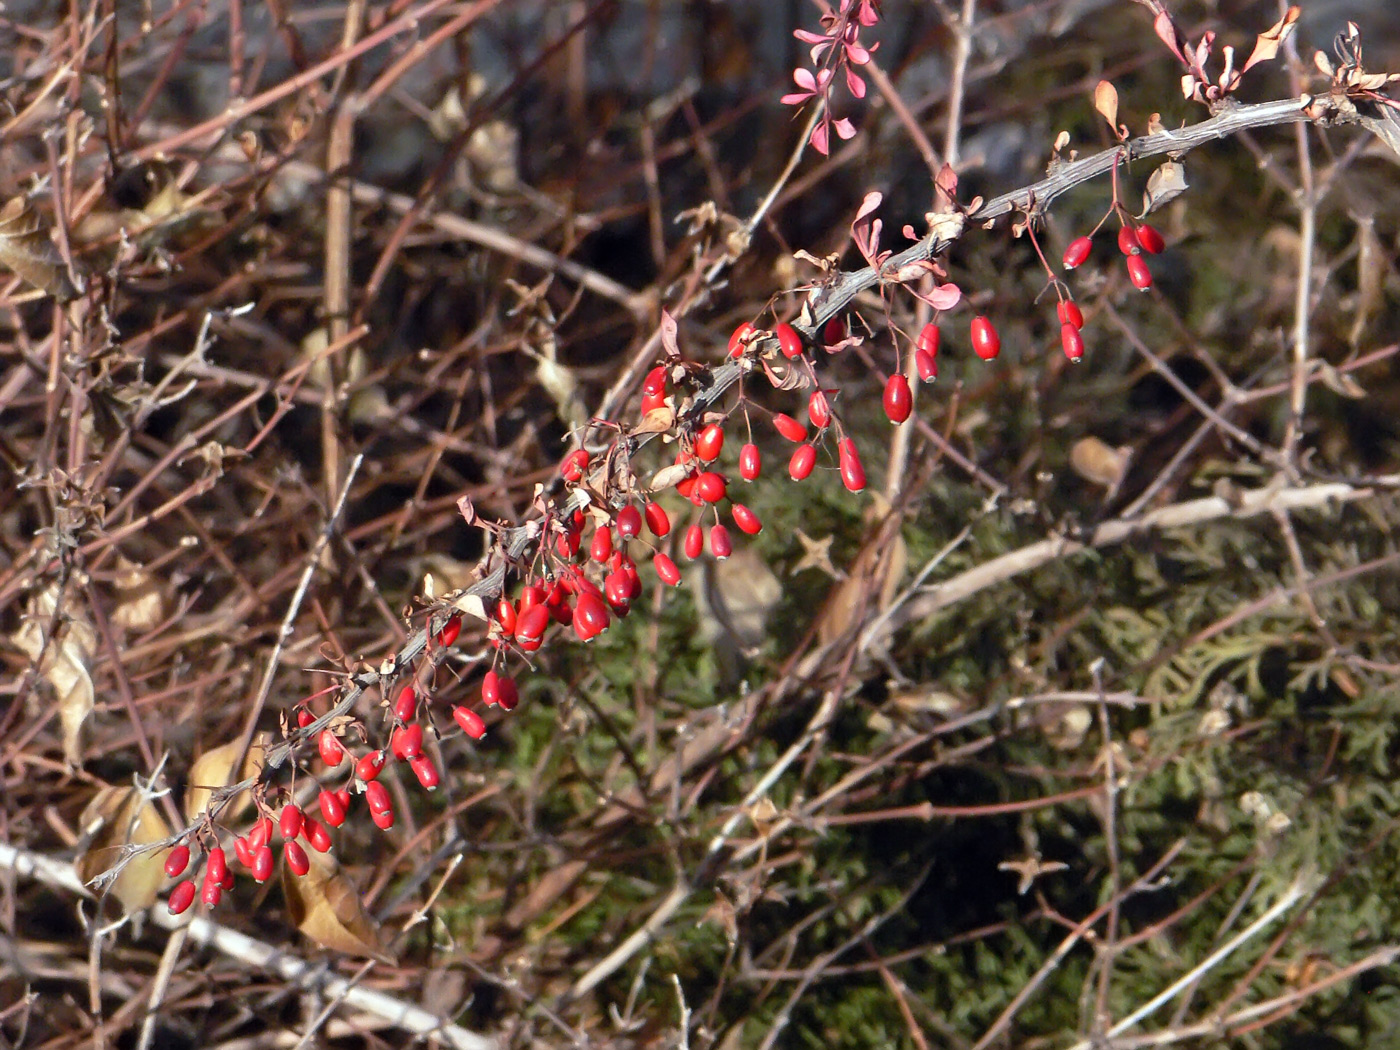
(26, 249)
(65, 665)
(213, 771)
(122, 817)
(140, 598)
(1163, 185)
(1269, 41)
(1106, 102)
(326, 907)
(1094, 460)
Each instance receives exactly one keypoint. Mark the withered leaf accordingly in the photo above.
(325, 906)
(1106, 102)
(65, 665)
(26, 249)
(1269, 41)
(1095, 460)
(124, 818)
(213, 771)
(1164, 184)
(140, 598)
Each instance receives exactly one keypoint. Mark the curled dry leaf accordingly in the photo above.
(140, 599)
(213, 771)
(1164, 184)
(1096, 461)
(66, 663)
(1106, 102)
(1269, 41)
(326, 907)
(26, 249)
(118, 817)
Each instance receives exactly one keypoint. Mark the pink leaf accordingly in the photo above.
(858, 55)
(944, 297)
(845, 129)
(804, 79)
(821, 138)
(1166, 29)
(854, 84)
(869, 204)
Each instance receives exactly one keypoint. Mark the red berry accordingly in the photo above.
(657, 520)
(834, 332)
(243, 851)
(985, 340)
(1068, 312)
(328, 744)
(802, 461)
(426, 772)
(928, 340)
(1138, 273)
(694, 542)
(506, 615)
(1128, 242)
(450, 630)
(531, 625)
(304, 717)
(750, 462)
(686, 488)
(291, 821)
(789, 342)
(384, 819)
(927, 365)
(216, 866)
(602, 546)
(1078, 251)
(1071, 341)
(711, 487)
(531, 594)
(1151, 241)
(407, 703)
(747, 520)
(377, 796)
(316, 834)
(899, 400)
(296, 858)
(709, 442)
(590, 616)
(651, 402)
(506, 693)
(655, 382)
(370, 766)
(666, 569)
(332, 812)
(852, 473)
(178, 861)
(211, 892)
(181, 897)
(617, 588)
(819, 409)
(262, 864)
(407, 742)
(738, 341)
(260, 834)
(472, 723)
(789, 427)
(721, 546)
(629, 522)
(575, 463)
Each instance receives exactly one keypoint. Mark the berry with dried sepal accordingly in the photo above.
(789, 342)
(750, 462)
(629, 522)
(426, 771)
(711, 486)
(262, 864)
(451, 629)
(1071, 342)
(852, 472)
(370, 766)
(316, 834)
(1068, 312)
(330, 748)
(296, 858)
(898, 399)
(740, 341)
(590, 616)
(819, 409)
(1139, 273)
(407, 742)
(694, 542)
(657, 520)
(746, 519)
(802, 461)
(666, 570)
(178, 861)
(789, 427)
(1078, 251)
(290, 823)
(1128, 242)
(181, 897)
(1151, 241)
(985, 341)
(721, 545)
(709, 442)
(332, 812)
(472, 723)
(575, 463)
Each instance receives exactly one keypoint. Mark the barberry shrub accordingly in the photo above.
(762, 626)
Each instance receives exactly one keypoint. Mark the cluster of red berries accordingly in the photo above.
(1133, 240)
